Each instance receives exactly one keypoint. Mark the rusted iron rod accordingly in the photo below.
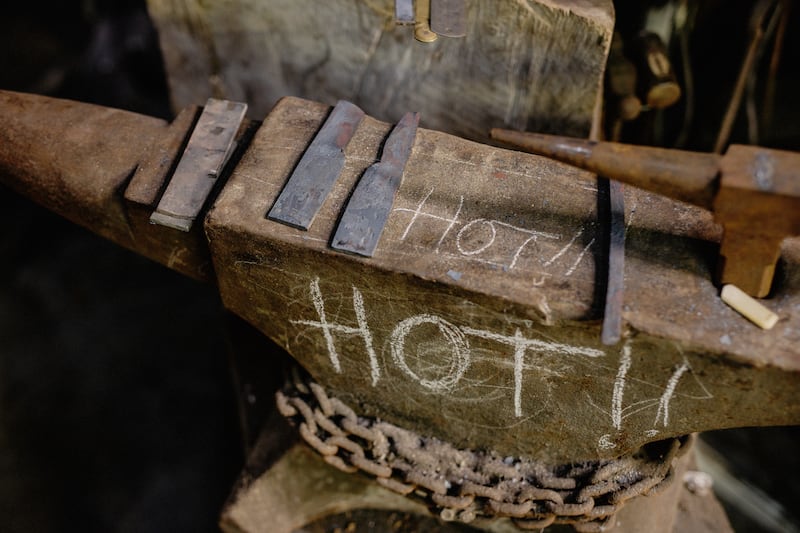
(687, 176)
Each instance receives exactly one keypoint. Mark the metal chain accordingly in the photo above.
(464, 484)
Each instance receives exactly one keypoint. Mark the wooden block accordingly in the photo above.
(527, 65)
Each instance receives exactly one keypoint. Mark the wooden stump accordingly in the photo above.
(524, 64)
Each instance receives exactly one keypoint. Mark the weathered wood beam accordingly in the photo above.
(525, 64)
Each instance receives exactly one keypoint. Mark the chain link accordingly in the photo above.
(465, 484)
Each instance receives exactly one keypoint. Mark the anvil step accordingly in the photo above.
(477, 318)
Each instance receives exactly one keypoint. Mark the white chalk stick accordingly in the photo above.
(748, 307)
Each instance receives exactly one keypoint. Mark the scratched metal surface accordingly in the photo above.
(477, 316)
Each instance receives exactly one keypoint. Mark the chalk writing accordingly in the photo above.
(457, 358)
(605, 443)
(416, 213)
(459, 362)
(619, 413)
(480, 235)
(669, 391)
(454, 337)
(619, 386)
(521, 345)
(327, 328)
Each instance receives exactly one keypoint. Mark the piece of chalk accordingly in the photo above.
(748, 307)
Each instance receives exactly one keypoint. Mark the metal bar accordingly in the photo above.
(318, 169)
(682, 175)
(612, 315)
(209, 148)
(369, 206)
(404, 11)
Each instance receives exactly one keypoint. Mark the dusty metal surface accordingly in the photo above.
(317, 172)
(370, 204)
(210, 146)
(752, 191)
(477, 315)
(449, 17)
(74, 158)
(79, 160)
(157, 165)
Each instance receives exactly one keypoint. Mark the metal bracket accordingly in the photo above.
(208, 150)
(318, 169)
(369, 206)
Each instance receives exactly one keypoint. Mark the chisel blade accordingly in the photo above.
(368, 209)
(318, 169)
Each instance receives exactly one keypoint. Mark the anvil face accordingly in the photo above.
(476, 317)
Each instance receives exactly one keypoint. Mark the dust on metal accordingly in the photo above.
(463, 484)
(404, 12)
(318, 169)
(449, 17)
(206, 154)
(369, 206)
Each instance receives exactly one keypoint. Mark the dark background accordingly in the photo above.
(117, 408)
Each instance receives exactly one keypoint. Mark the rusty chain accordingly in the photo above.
(465, 484)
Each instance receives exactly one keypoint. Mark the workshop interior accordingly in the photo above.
(395, 265)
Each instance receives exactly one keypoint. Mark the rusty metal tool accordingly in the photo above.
(365, 215)
(422, 24)
(753, 192)
(317, 171)
(449, 17)
(210, 146)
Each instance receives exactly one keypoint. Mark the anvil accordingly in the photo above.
(476, 320)
(753, 191)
